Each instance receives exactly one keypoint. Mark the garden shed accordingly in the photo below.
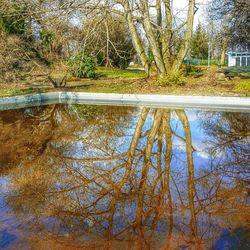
(238, 59)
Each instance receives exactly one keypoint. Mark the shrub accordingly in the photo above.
(243, 87)
(150, 56)
(83, 66)
(116, 60)
(212, 62)
(189, 69)
(175, 78)
(47, 37)
(121, 63)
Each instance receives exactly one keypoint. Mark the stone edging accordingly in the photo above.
(170, 101)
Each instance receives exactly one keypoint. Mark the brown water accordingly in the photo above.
(96, 177)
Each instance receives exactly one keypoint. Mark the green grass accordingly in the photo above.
(4, 92)
(120, 73)
(132, 81)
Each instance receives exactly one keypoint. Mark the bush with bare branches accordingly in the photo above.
(16, 59)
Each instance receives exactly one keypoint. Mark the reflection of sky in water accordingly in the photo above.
(200, 156)
(6, 221)
(196, 130)
(86, 145)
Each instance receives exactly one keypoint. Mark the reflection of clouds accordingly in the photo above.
(201, 147)
(179, 144)
(199, 138)
(4, 184)
(4, 189)
(85, 195)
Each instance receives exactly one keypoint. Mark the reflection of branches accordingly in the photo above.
(133, 145)
(145, 167)
(182, 116)
(168, 157)
(97, 185)
(229, 141)
(116, 189)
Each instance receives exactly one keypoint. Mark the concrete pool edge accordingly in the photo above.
(169, 101)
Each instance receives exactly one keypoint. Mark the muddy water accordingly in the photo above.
(96, 177)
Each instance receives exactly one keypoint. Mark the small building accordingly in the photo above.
(238, 59)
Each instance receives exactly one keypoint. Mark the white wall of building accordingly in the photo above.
(240, 59)
(231, 61)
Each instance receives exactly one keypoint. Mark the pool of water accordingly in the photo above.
(98, 177)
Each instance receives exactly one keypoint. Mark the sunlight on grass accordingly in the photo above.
(119, 73)
(9, 92)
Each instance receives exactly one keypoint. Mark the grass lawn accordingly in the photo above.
(135, 81)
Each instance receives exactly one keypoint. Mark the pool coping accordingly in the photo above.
(161, 101)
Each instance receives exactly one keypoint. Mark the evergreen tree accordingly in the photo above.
(199, 47)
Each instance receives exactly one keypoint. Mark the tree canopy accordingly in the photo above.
(235, 17)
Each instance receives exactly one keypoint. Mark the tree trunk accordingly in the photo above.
(188, 36)
(191, 179)
(161, 38)
(152, 39)
(136, 38)
(223, 51)
(133, 145)
(108, 63)
(146, 164)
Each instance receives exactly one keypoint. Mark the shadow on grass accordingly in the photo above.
(82, 86)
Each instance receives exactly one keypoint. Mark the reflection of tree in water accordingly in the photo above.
(116, 184)
(229, 133)
(27, 132)
(227, 179)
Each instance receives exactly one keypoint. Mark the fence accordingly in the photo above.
(200, 62)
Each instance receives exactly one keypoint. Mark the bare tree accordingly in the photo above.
(162, 32)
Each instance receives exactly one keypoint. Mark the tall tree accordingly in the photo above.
(162, 32)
